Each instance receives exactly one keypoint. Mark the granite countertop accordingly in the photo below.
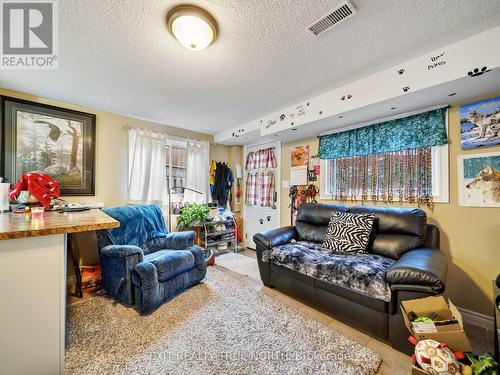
(25, 225)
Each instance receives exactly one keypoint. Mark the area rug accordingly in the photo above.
(223, 326)
(239, 263)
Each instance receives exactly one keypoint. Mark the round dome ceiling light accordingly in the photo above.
(193, 27)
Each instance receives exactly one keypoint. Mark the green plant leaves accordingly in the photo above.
(192, 214)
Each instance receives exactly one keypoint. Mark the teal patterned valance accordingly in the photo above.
(422, 130)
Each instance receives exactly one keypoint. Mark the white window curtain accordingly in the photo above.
(198, 164)
(146, 166)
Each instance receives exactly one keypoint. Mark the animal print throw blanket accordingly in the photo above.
(364, 273)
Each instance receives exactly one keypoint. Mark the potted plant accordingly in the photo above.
(191, 215)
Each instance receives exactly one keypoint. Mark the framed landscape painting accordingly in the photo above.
(479, 179)
(480, 124)
(51, 140)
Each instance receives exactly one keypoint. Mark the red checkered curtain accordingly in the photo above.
(266, 158)
(251, 163)
(271, 159)
(261, 159)
(267, 189)
(251, 192)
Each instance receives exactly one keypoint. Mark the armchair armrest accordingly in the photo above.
(122, 251)
(179, 240)
(117, 263)
(275, 237)
(419, 269)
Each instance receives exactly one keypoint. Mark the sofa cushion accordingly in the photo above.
(170, 263)
(312, 220)
(318, 214)
(396, 230)
(348, 233)
(364, 273)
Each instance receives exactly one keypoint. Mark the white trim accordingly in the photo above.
(477, 319)
(324, 176)
(441, 156)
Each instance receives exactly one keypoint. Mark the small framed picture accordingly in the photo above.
(55, 141)
(300, 156)
(480, 124)
(479, 179)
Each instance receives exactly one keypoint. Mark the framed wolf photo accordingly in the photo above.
(479, 179)
(56, 141)
(480, 124)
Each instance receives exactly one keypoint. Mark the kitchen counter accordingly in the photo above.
(52, 222)
(33, 259)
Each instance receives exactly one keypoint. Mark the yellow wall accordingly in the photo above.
(470, 236)
(111, 160)
(111, 148)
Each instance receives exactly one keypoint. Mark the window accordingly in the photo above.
(439, 165)
(176, 166)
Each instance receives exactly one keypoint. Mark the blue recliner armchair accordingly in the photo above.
(142, 263)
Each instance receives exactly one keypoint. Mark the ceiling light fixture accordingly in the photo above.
(193, 27)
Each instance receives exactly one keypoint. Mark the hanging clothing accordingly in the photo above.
(223, 181)
(211, 179)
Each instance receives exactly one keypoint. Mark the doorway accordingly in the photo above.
(258, 218)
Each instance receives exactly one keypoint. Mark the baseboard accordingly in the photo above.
(477, 319)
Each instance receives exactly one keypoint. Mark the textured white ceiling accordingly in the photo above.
(117, 55)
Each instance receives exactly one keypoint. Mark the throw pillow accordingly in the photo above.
(348, 233)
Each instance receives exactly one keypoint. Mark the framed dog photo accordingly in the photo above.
(55, 141)
(480, 124)
(479, 180)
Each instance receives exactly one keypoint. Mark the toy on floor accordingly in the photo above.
(480, 365)
(435, 358)
(209, 257)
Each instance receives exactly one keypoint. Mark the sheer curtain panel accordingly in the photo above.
(198, 164)
(146, 166)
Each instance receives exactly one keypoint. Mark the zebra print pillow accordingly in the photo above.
(348, 233)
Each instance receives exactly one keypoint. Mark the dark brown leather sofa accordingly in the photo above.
(418, 270)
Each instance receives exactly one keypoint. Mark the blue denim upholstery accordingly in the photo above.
(155, 267)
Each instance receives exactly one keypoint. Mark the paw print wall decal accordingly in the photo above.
(476, 72)
(401, 71)
(282, 117)
(406, 88)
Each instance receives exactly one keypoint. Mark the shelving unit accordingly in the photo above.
(211, 238)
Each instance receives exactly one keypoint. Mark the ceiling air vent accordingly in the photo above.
(344, 11)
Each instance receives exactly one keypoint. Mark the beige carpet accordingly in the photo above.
(239, 263)
(222, 326)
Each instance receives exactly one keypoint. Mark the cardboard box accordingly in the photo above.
(452, 334)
